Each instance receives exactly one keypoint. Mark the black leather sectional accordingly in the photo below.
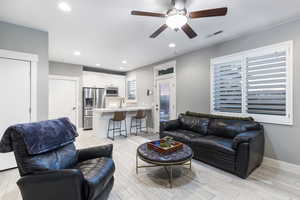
(233, 144)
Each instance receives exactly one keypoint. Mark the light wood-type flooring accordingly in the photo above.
(202, 183)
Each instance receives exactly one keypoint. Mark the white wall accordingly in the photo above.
(144, 80)
(23, 39)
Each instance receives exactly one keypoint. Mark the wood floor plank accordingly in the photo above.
(204, 182)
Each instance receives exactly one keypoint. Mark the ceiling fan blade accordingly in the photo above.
(148, 14)
(189, 31)
(159, 31)
(209, 13)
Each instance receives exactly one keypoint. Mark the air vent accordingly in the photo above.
(214, 34)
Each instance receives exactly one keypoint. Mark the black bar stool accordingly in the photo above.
(136, 121)
(116, 121)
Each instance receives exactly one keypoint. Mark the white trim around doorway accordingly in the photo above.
(170, 77)
(33, 60)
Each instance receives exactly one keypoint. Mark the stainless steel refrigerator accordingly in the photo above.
(92, 98)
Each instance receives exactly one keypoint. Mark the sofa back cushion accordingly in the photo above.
(230, 128)
(195, 124)
(212, 116)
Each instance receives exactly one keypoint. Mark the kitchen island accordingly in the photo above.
(101, 117)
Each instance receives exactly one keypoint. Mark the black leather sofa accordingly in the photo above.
(50, 166)
(233, 144)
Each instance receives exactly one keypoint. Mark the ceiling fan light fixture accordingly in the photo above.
(176, 21)
(64, 7)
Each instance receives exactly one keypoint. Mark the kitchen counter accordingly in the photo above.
(127, 109)
(101, 117)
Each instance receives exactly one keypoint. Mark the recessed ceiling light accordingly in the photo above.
(172, 45)
(98, 65)
(124, 62)
(77, 53)
(64, 7)
(121, 68)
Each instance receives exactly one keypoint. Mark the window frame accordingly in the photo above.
(242, 56)
(127, 81)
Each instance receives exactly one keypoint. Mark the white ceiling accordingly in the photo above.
(105, 32)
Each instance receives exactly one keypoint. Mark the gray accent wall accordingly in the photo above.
(69, 70)
(27, 40)
(144, 80)
(193, 84)
(193, 81)
(282, 142)
(65, 69)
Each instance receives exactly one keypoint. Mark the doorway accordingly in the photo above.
(165, 101)
(18, 89)
(63, 98)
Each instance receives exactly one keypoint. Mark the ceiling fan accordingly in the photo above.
(177, 17)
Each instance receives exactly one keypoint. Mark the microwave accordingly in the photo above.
(112, 91)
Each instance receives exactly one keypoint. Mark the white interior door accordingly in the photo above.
(14, 101)
(165, 95)
(63, 98)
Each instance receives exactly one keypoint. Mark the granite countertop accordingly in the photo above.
(108, 110)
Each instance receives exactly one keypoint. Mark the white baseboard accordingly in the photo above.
(281, 165)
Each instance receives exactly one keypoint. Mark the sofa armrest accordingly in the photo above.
(169, 125)
(250, 148)
(58, 185)
(246, 137)
(95, 152)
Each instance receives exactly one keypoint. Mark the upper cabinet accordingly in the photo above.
(90, 80)
(102, 80)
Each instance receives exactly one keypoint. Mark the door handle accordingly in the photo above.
(74, 108)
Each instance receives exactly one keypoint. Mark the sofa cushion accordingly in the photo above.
(230, 128)
(215, 151)
(63, 158)
(214, 142)
(97, 174)
(196, 124)
(181, 135)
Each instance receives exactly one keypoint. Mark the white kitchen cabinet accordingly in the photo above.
(89, 79)
(102, 80)
(121, 85)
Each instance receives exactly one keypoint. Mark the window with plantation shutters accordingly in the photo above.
(255, 83)
(227, 87)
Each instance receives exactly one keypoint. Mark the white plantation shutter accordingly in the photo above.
(256, 83)
(227, 87)
(266, 84)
